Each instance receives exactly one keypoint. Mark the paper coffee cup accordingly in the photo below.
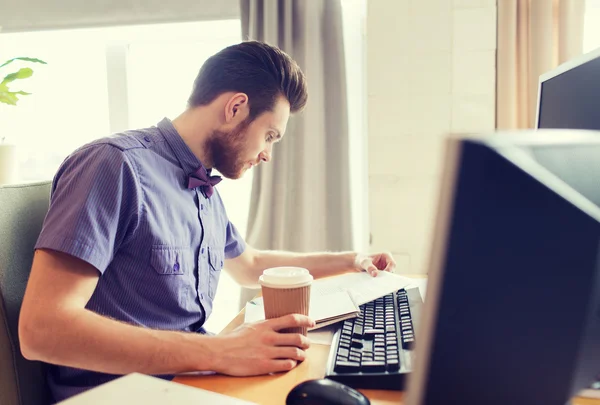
(286, 290)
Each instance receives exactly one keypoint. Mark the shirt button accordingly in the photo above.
(201, 206)
(202, 250)
(147, 138)
(201, 295)
(176, 267)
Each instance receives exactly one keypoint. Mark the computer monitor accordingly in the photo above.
(512, 313)
(568, 95)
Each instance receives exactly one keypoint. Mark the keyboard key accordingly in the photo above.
(373, 366)
(355, 352)
(392, 356)
(393, 365)
(347, 367)
(356, 343)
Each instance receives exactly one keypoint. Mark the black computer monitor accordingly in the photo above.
(512, 313)
(569, 96)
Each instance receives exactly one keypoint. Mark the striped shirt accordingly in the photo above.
(121, 204)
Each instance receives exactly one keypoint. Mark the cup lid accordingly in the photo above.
(285, 277)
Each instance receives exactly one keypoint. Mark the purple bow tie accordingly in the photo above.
(200, 178)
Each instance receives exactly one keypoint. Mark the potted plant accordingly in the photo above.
(8, 159)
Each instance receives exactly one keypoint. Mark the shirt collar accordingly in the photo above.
(188, 161)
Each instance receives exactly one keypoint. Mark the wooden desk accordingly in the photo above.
(273, 389)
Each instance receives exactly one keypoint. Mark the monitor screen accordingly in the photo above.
(512, 314)
(569, 95)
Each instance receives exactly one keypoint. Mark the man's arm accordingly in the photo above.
(247, 267)
(55, 327)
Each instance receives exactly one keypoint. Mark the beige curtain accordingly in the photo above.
(301, 199)
(534, 36)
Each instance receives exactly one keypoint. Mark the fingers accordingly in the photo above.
(362, 261)
(288, 353)
(275, 366)
(374, 263)
(291, 321)
(291, 339)
(371, 269)
(391, 263)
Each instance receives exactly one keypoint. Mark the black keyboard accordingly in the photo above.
(374, 350)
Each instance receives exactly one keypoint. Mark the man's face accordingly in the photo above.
(249, 143)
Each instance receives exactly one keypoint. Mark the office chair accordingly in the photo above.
(22, 211)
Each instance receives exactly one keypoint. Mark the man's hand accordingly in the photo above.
(374, 263)
(258, 348)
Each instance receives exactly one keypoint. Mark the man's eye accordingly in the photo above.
(269, 138)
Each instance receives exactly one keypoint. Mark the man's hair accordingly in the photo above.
(262, 71)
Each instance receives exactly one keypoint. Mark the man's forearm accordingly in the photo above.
(92, 342)
(319, 264)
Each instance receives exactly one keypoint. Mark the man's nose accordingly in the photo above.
(265, 156)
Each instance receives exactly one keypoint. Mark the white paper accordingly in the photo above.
(361, 286)
(143, 389)
(323, 336)
(589, 393)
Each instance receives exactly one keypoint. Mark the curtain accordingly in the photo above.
(301, 199)
(534, 36)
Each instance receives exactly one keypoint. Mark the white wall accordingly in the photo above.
(431, 67)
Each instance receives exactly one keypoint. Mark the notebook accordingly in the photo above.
(336, 298)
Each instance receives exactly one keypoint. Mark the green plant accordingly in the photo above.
(7, 96)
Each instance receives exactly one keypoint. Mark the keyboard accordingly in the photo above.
(375, 350)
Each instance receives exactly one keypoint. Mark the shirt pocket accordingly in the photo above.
(215, 258)
(171, 260)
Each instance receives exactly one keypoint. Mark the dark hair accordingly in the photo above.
(262, 71)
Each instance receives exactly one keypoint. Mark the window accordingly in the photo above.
(591, 26)
(68, 106)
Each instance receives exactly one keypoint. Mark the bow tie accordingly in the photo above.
(200, 178)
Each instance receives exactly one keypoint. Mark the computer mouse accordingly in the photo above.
(325, 392)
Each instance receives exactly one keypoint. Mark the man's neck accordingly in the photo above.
(194, 126)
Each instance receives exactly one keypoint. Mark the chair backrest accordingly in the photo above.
(22, 211)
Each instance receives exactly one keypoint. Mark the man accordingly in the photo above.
(128, 260)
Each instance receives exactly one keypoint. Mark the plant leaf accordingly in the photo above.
(34, 60)
(8, 98)
(24, 93)
(22, 73)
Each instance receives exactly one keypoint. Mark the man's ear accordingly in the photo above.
(237, 109)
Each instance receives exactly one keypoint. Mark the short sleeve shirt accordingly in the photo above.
(122, 204)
